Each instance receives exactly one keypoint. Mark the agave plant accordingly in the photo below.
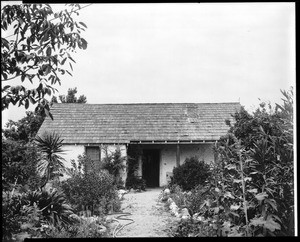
(53, 206)
(51, 163)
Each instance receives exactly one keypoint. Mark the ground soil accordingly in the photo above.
(151, 219)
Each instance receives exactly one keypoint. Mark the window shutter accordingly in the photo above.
(94, 154)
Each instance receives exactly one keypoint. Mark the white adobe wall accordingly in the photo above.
(202, 151)
(168, 157)
(71, 152)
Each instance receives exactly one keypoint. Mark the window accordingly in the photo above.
(93, 152)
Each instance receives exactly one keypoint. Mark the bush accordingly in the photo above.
(196, 198)
(91, 190)
(53, 205)
(114, 164)
(135, 182)
(18, 165)
(25, 214)
(191, 228)
(178, 196)
(190, 174)
(85, 228)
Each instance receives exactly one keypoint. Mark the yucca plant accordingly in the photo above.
(51, 165)
(52, 205)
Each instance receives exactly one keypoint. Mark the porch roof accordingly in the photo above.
(147, 122)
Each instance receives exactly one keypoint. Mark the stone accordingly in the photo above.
(170, 200)
(167, 192)
(121, 193)
(102, 229)
(195, 216)
(174, 208)
(185, 214)
(185, 217)
(108, 219)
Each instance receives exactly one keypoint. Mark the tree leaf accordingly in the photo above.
(26, 104)
(261, 196)
(49, 50)
(84, 43)
(254, 190)
(69, 73)
(271, 225)
(272, 202)
(71, 59)
(63, 61)
(83, 24)
(257, 221)
(4, 88)
(228, 194)
(234, 207)
(230, 167)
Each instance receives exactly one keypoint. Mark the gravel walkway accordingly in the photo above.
(150, 217)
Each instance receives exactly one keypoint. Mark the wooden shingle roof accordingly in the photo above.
(123, 123)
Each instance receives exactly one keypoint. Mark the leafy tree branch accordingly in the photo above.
(39, 49)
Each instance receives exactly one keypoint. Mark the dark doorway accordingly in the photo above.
(150, 168)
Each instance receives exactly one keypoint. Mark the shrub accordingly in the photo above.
(114, 164)
(53, 205)
(24, 214)
(135, 182)
(85, 228)
(190, 174)
(178, 196)
(196, 198)
(93, 190)
(191, 228)
(18, 165)
(10, 215)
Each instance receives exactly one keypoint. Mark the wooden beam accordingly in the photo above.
(177, 155)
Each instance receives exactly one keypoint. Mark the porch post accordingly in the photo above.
(139, 171)
(177, 155)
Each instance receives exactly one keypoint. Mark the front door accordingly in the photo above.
(150, 168)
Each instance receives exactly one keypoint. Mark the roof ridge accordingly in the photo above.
(142, 103)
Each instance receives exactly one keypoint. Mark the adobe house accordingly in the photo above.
(164, 134)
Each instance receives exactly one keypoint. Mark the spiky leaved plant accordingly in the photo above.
(51, 163)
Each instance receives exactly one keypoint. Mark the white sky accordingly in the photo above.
(183, 52)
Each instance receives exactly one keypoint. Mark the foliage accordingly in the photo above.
(24, 215)
(90, 190)
(70, 97)
(53, 205)
(136, 183)
(178, 196)
(25, 129)
(196, 198)
(92, 227)
(191, 173)
(114, 164)
(18, 165)
(191, 228)
(251, 187)
(51, 165)
(133, 180)
(38, 49)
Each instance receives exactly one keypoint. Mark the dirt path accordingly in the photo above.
(149, 215)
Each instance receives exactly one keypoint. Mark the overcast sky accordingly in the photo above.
(183, 52)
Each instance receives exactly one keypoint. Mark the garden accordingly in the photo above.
(37, 204)
(249, 190)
